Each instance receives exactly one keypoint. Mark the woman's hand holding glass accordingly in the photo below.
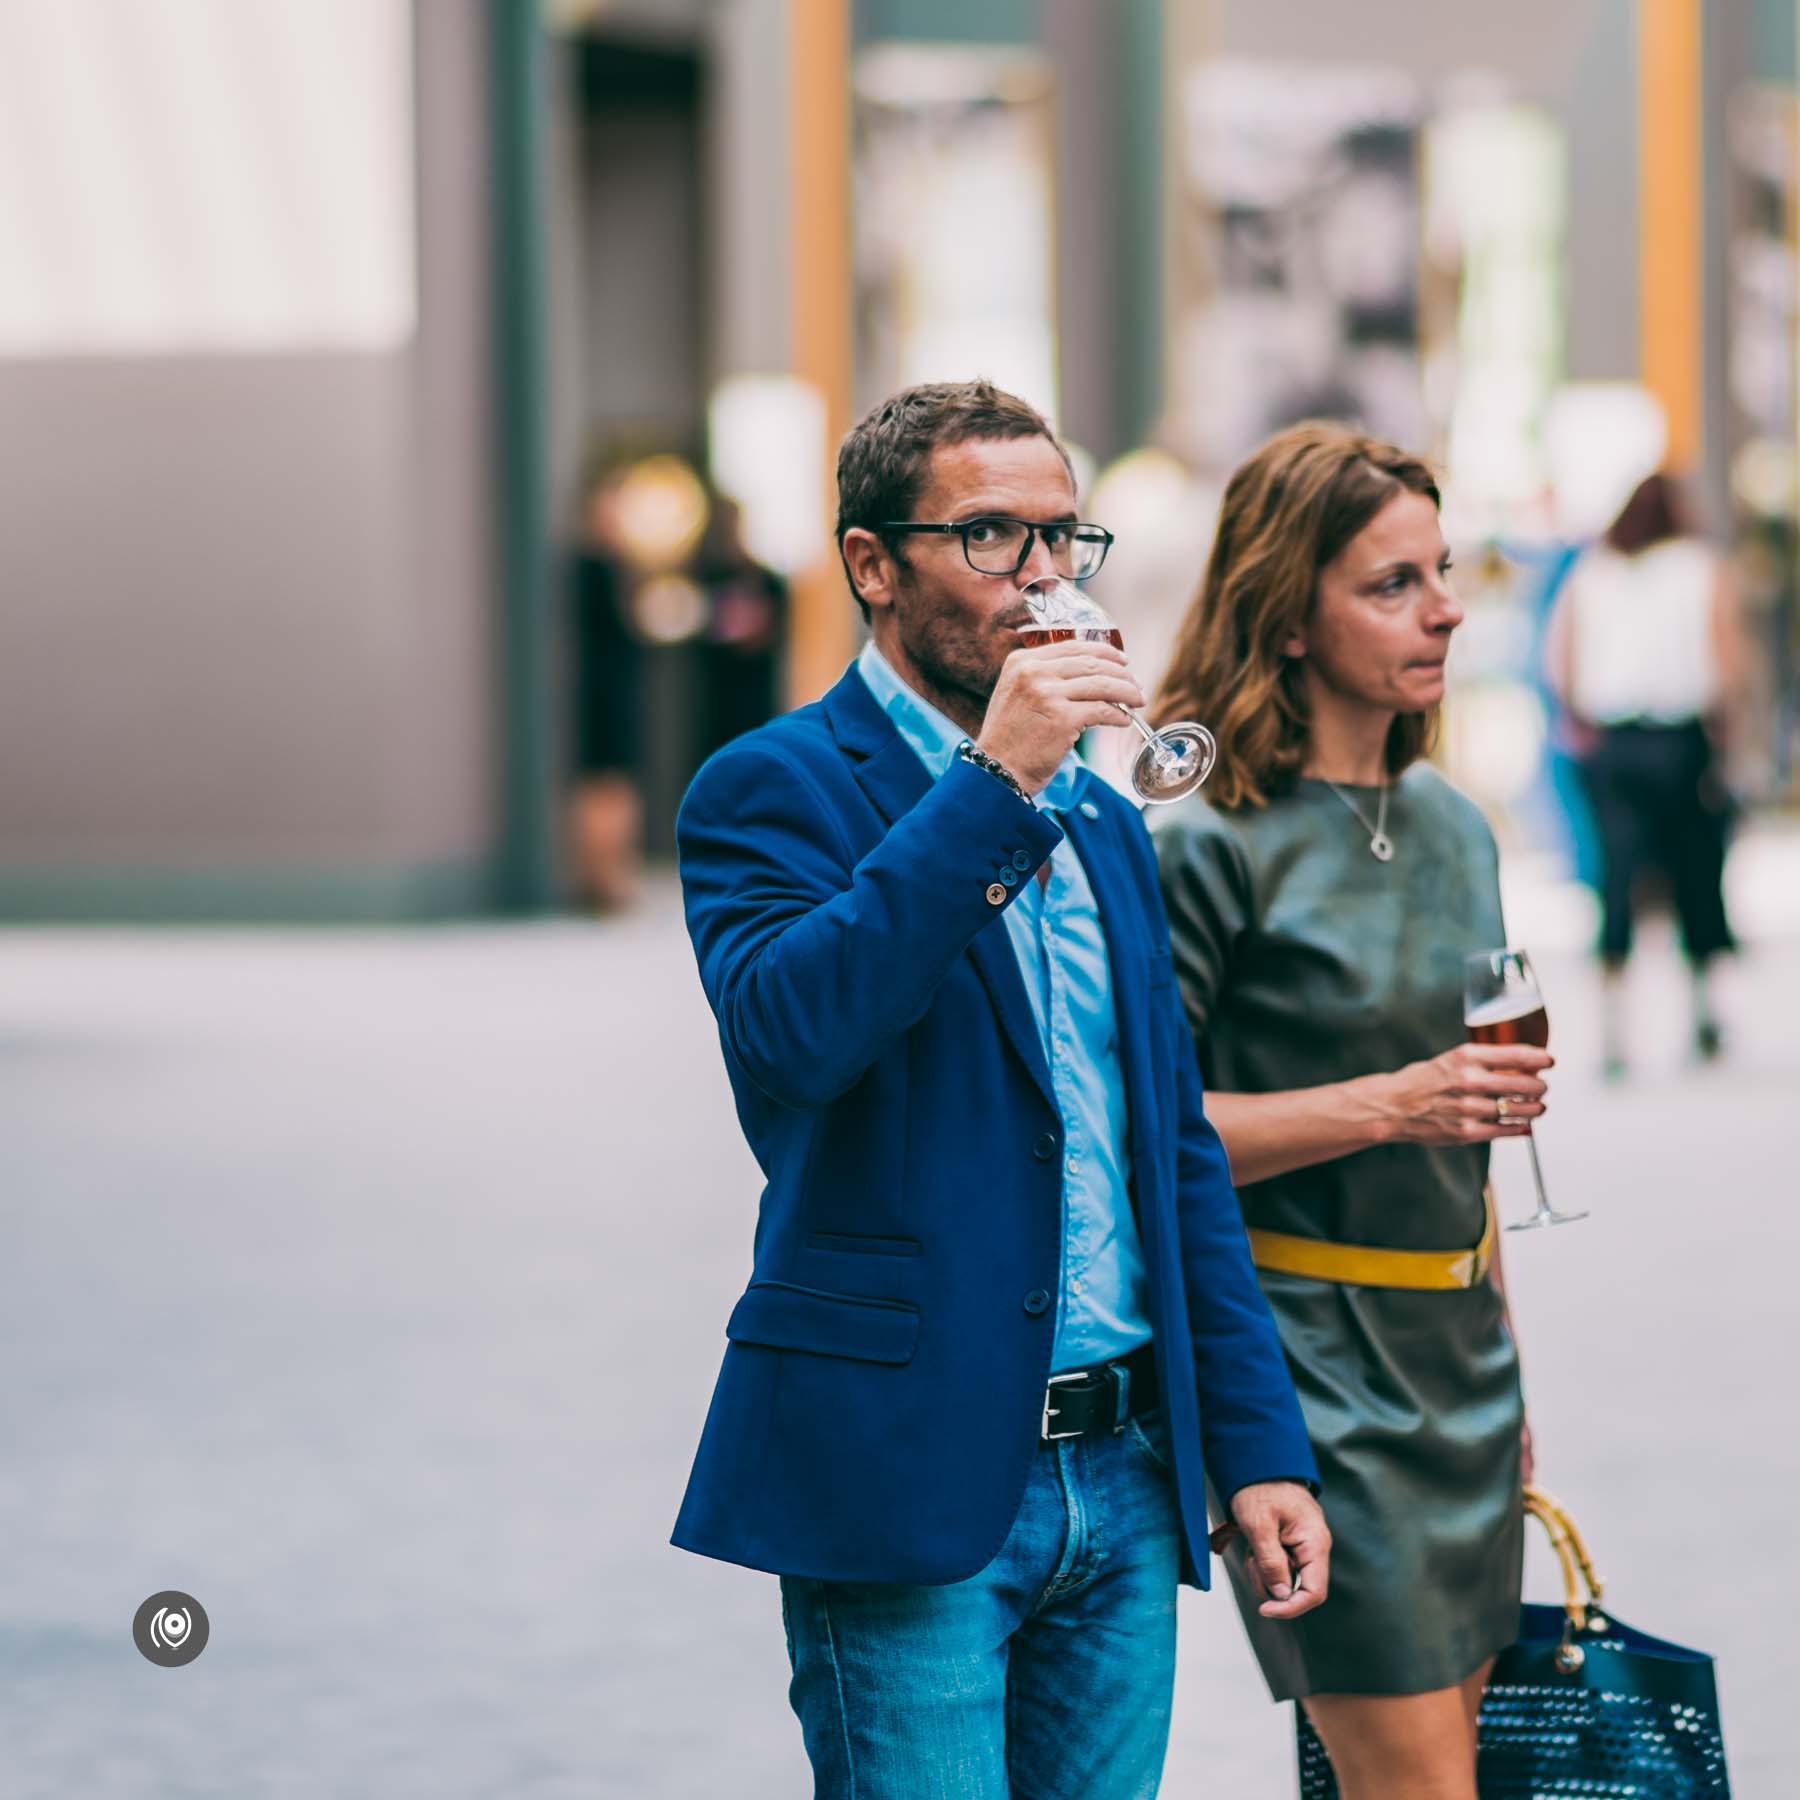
(1469, 1095)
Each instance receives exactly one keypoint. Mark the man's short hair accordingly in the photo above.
(882, 462)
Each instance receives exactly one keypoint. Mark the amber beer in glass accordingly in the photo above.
(1503, 1004)
(1174, 759)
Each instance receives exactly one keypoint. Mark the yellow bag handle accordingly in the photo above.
(1582, 1586)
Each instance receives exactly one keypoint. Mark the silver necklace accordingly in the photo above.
(1381, 846)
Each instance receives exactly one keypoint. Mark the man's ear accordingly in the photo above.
(871, 566)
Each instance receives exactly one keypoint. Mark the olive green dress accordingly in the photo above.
(1303, 960)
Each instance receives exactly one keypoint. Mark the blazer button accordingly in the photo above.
(1037, 1302)
(996, 894)
(1021, 860)
(1045, 1147)
(1007, 876)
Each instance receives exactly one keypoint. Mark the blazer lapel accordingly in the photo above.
(885, 765)
(889, 771)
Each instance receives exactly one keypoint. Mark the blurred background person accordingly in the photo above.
(745, 639)
(606, 811)
(1646, 652)
(1321, 901)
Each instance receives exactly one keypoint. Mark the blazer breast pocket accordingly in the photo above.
(785, 1317)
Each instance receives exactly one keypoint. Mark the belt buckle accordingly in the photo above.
(1050, 1412)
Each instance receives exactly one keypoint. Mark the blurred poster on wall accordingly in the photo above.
(1297, 280)
(954, 255)
(206, 177)
(1763, 373)
(1496, 196)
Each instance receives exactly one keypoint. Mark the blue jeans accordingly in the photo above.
(1046, 1676)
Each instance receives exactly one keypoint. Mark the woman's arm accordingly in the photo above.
(1268, 1134)
(1448, 1099)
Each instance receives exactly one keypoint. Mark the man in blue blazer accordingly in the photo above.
(1002, 1329)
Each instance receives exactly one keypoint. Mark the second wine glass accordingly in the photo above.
(1174, 759)
(1503, 1004)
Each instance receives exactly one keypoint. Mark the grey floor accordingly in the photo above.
(369, 1287)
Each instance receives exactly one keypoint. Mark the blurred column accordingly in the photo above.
(530, 764)
(1085, 49)
(1671, 165)
(819, 305)
(1111, 226)
(1597, 109)
(1728, 68)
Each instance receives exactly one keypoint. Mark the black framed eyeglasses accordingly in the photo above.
(996, 545)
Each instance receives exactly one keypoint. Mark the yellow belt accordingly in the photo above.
(1366, 1265)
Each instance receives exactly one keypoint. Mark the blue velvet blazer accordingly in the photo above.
(880, 1399)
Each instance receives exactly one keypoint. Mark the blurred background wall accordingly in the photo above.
(418, 415)
(247, 465)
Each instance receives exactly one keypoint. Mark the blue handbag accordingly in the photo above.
(1581, 1703)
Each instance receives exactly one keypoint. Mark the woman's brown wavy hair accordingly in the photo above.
(1288, 510)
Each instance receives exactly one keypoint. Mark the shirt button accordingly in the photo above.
(996, 894)
(1037, 1302)
(1008, 878)
(1021, 860)
(1074, 1165)
(1088, 810)
(1045, 1147)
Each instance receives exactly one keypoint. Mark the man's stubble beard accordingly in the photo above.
(948, 659)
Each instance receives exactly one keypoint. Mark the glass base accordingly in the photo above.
(1174, 766)
(1538, 1219)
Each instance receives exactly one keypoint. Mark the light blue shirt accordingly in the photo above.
(1056, 935)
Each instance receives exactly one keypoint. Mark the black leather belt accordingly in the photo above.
(1082, 1402)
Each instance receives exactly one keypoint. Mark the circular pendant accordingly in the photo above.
(1381, 847)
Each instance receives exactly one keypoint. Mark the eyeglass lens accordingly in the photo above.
(1001, 546)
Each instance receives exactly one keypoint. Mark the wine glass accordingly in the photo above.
(1174, 759)
(1503, 1004)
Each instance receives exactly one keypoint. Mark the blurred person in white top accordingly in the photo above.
(1646, 653)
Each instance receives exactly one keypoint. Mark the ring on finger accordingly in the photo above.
(1502, 1107)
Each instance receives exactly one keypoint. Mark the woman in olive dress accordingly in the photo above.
(1321, 901)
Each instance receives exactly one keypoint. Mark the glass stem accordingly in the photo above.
(1150, 737)
(1537, 1174)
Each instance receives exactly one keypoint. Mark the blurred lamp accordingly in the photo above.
(668, 609)
(658, 512)
(1140, 492)
(1764, 477)
(767, 435)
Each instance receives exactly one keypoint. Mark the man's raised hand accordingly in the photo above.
(1046, 698)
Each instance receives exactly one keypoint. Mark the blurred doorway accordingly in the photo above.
(676, 633)
(628, 376)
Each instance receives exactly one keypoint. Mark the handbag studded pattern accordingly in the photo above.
(1581, 1703)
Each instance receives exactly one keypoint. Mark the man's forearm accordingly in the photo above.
(811, 979)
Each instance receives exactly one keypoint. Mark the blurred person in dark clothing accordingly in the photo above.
(1646, 652)
(606, 812)
(740, 654)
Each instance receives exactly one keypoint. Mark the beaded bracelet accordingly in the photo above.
(994, 767)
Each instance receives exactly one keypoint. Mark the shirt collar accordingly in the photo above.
(936, 738)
